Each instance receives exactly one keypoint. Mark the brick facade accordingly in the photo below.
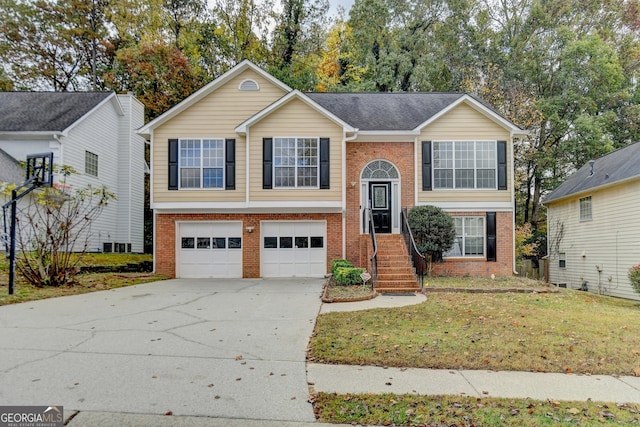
(165, 257)
(359, 154)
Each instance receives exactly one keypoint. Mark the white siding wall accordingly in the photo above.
(130, 217)
(97, 133)
(609, 242)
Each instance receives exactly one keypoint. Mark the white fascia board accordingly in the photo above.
(472, 206)
(206, 90)
(244, 208)
(242, 127)
(112, 98)
(513, 129)
(385, 136)
(29, 134)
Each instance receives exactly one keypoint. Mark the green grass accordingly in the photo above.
(565, 331)
(568, 331)
(85, 282)
(414, 410)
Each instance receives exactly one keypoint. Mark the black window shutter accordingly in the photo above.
(173, 164)
(230, 164)
(426, 166)
(267, 163)
(502, 165)
(492, 247)
(324, 163)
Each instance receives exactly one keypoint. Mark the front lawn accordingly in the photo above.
(86, 282)
(567, 331)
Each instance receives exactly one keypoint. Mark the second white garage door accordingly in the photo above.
(294, 248)
(209, 249)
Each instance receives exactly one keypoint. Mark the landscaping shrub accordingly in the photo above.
(346, 276)
(634, 277)
(339, 263)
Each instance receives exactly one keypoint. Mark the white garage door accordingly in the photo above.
(294, 248)
(210, 249)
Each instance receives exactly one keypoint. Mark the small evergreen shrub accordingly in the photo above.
(433, 230)
(347, 276)
(634, 277)
(339, 263)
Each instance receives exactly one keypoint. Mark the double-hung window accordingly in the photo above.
(465, 164)
(90, 163)
(470, 237)
(295, 162)
(585, 208)
(201, 163)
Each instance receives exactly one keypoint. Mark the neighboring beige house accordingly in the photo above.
(93, 132)
(253, 179)
(594, 226)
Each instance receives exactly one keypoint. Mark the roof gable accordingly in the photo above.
(207, 90)
(616, 167)
(295, 94)
(48, 112)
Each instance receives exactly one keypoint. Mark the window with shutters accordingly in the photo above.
(465, 165)
(201, 163)
(295, 162)
(470, 237)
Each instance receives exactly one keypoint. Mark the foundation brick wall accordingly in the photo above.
(479, 267)
(165, 257)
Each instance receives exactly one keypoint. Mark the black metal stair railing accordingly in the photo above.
(374, 257)
(418, 260)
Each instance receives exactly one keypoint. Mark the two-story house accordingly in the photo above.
(95, 134)
(253, 179)
(593, 227)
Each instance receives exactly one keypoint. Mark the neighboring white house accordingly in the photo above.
(594, 225)
(93, 132)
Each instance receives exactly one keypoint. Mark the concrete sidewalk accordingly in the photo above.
(542, 386)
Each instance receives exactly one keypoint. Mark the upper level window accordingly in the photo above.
(295, 162)
(470, 236)
(90, 163)
(465, 164)
(201, 163)
(585, 208)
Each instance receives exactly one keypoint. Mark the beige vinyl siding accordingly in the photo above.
(464, 123)
(609, 240)
(295, 119)
(215, 116)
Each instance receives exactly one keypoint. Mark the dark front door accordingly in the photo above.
(380, 202)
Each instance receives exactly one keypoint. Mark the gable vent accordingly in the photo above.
(248, 85)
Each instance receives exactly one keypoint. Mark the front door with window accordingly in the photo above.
(380, 202)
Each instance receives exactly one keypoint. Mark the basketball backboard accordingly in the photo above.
(40, 169)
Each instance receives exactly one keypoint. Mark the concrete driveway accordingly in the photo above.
(216, 348)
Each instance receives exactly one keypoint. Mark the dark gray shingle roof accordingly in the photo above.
(384, 111)
(619, 165)
(45, 111)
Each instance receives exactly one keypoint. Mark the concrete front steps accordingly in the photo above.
(395, 271)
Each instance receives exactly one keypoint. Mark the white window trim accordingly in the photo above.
(462, 247)
(201, 188)
(590, 208)
(97, 158)
(296, 187)
(475, 165)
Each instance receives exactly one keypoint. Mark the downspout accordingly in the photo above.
(416, 164)
(153, 248)
(344, 187)
(513, 207)
(246, 169)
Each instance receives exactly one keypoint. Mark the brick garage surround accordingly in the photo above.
(165, 257)
(359, 154)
